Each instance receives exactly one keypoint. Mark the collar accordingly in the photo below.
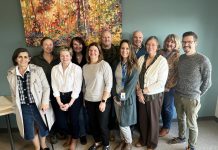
(18, 72)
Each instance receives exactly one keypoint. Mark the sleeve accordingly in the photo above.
(206, 70)
(163, 70)
(45, 86)
(54, 83)
(108, 77)
(172, 76)
(77, 82)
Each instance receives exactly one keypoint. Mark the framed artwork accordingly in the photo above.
(64, 19)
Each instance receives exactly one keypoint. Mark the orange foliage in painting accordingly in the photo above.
(63, 19)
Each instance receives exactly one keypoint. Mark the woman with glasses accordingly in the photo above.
(152, 79)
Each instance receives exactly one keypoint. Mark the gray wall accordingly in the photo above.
(152, 17)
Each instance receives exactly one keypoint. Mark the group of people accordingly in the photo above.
(137, 82)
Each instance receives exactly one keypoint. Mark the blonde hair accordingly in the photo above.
(67, 49)
(175, 39)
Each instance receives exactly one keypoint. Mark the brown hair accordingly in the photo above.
(100, 57)
(17, 52)
(132, 62)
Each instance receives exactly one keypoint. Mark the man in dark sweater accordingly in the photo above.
(110, 53)
(194, 79)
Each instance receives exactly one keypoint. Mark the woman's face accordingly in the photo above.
(152, 47)
(170, 45)
(93, 52)
(23, 59)
(124, 50)
(47, 46)
(77, 46)
(65, 57)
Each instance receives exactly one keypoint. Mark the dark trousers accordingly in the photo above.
(99, 121)
(68, 121)
(149, 114)
(112, 116)
(55, 106)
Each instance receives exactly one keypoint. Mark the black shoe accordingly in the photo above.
(61, 136)
(106, 147)
(94, 146)
(83, 140)
(53, 139)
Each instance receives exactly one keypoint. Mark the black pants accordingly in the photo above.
(68, 121)
(99, 121)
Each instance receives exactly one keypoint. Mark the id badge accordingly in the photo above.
(122, 96)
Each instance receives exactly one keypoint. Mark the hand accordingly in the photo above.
(64, 107)
(116, 101)
(139, 92)
(102, 106)
(44, 107)
(166, 90)
(145, 90)
(141, 99)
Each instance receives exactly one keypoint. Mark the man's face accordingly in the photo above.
(137, 39)
(189, 45)
(106, 39)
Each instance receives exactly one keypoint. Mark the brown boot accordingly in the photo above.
(163, 132)
(128, 146)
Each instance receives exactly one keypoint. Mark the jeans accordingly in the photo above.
(168, 108)
(32, 119)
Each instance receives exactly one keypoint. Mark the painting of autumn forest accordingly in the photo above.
(64, 19)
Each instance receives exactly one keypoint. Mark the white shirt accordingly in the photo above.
(66, 81)
(156, 76)
(18, 72)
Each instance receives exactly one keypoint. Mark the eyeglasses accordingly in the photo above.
(187, 42)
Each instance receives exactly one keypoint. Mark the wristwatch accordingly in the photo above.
(103, 101)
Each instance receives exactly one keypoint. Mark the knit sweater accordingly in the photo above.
(97, 79)
(194, 75)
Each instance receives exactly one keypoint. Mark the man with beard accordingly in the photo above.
(194, 79)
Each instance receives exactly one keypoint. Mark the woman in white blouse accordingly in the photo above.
(66, 85)
(97, 75)
(152, 80)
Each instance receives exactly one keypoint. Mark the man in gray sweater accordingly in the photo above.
(194, 79)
